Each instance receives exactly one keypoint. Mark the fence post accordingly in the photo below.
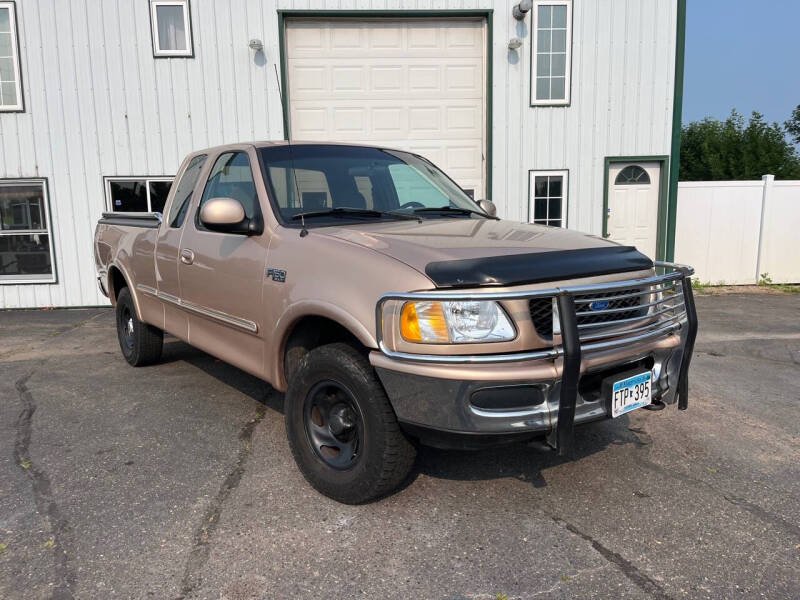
(765, 194)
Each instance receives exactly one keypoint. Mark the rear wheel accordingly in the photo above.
(141, 344)
(341, 427)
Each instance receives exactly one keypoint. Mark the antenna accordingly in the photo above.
(303, 231)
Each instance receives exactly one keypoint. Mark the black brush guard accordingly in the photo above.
(571, 348)
(563, 440)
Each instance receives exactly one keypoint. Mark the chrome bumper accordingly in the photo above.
(445, 403)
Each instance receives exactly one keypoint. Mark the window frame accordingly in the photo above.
(567, 59)
(16, 58)
(53, 277)
(147, 179)
(187, 19)
(564, 174)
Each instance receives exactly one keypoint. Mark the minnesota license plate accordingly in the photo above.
(630, 394)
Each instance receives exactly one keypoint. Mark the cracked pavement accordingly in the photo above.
(175, 481)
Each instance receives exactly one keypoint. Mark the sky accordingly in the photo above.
(743, 54)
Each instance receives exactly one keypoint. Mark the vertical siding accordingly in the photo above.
(98, 104)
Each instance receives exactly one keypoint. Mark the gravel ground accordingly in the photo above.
(175, 481)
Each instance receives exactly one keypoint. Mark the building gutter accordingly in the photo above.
(677, 110)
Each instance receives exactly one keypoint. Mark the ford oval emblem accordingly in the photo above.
(599, 305)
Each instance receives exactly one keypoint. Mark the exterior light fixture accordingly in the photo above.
(256, 45)
(521, 9)
(514, 43)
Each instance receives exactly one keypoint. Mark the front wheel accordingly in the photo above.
(341, 427)
(141, 344)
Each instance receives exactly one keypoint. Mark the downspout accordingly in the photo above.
(677, 110)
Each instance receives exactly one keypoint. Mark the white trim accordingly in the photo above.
(147, 180)
(187, 27)
(568, 59)
(12, 20)
(564, 174)
(27, 279)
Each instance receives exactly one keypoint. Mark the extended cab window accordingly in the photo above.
(231, 177)
(183, 193)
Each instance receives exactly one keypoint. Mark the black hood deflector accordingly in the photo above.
(537, 267)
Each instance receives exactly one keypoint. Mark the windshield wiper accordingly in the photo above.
(457, 210)
(355, 212)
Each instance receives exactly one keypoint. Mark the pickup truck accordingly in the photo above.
(391, 308)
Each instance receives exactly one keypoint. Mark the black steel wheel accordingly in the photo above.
(333, 424)
(341, 427)
(141, 344)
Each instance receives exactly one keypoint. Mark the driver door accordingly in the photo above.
(221, 274)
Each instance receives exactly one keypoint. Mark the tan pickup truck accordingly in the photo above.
(391, 308)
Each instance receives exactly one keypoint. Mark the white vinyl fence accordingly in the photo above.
(733, 231)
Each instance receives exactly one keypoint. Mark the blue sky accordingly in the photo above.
(742, 54)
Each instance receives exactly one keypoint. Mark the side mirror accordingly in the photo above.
(227, 215)
(488, 207)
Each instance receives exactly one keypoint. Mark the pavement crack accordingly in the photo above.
(631, 571)
(754, 509)
(201, 547)
(46, 504)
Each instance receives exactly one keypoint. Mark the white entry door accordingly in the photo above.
(412, 84)
(632, 217)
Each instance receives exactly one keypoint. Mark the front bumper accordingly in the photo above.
(540, 396)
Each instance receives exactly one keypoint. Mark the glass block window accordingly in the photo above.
(10, 77)
(137, 194)
(548, 198)
(551, 53)
(26, 249)
(172, 29)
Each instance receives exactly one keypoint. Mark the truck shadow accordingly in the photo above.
(521, 461)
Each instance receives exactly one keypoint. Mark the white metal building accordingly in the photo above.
(567, 117)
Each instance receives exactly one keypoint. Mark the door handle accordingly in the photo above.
(187, 256)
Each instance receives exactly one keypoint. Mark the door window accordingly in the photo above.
(231, 177)
(183, 193)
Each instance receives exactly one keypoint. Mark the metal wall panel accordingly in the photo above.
(98, 104)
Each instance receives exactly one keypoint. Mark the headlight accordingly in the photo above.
(455, 322)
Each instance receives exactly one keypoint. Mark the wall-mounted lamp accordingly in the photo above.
(521, 9)
(514, 43)
(256, 45)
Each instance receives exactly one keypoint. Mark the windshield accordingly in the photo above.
(357, 183)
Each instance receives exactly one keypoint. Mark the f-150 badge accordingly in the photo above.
(278, 275)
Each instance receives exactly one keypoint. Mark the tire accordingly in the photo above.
(141, 344)
(336, 406)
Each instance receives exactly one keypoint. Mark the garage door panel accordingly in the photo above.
(412, 84)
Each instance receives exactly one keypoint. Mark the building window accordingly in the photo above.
(10, 77)
(548, 202)
(551, 52)
(632, 175)
(26, 252)
(137, 194)
(171, 27)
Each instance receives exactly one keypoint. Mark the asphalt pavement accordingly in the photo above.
(176, 481)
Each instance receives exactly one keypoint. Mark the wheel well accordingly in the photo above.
(117, 281)
(309, 333)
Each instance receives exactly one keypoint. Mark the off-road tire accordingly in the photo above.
(141, 344)
(385, 457)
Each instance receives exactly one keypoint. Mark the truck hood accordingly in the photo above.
(467, 252)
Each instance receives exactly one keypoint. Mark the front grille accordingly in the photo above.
(541, 309)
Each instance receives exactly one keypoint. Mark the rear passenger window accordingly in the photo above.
(183, 193)
(231, 177)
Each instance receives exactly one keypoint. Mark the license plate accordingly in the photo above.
(630, 394)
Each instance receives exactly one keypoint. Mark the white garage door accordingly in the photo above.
(417, 85)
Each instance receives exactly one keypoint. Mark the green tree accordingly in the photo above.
(714, 150)
(793, 125)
